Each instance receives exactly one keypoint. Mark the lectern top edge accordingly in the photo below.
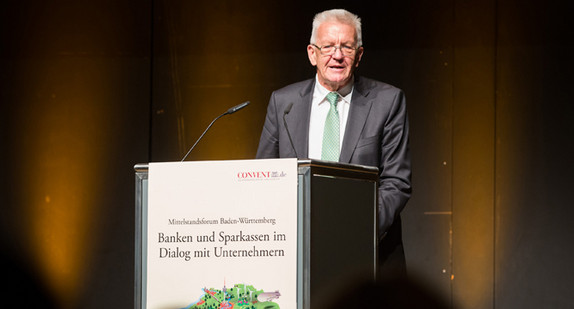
(338, 165)
(143, 167)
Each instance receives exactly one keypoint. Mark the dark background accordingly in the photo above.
(90, 88)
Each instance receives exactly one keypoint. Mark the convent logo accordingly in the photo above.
(260, 175)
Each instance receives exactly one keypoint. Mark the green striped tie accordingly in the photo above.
(330, 150)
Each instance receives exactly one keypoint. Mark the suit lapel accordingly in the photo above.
(299, 117)
(358, 113)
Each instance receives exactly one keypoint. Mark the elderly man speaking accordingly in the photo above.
(339, 116)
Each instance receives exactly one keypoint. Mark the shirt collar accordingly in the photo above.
(322, 92)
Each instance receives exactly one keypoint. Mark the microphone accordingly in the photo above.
(287, 110)
(236, 108)
(228, 112)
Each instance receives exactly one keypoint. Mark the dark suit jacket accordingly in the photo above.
(376, 135)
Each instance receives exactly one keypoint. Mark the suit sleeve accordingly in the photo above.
(395, 164)
(269, 141)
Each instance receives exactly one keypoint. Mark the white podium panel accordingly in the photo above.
(221, 232)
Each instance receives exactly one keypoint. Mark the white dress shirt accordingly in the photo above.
(319, 109)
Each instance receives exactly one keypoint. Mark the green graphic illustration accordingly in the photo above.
(240, 296)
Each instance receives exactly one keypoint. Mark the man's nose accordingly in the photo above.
(338, 54)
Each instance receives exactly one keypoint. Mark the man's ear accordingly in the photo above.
(359, 56)
(311, 52)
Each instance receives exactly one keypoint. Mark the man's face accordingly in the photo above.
(335, 71)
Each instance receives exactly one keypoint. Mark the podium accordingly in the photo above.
(333, 231)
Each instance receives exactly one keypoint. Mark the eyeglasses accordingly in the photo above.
(329, 50)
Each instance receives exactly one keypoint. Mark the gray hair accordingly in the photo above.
(339, 15)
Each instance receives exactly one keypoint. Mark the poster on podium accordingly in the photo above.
(221, 234)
